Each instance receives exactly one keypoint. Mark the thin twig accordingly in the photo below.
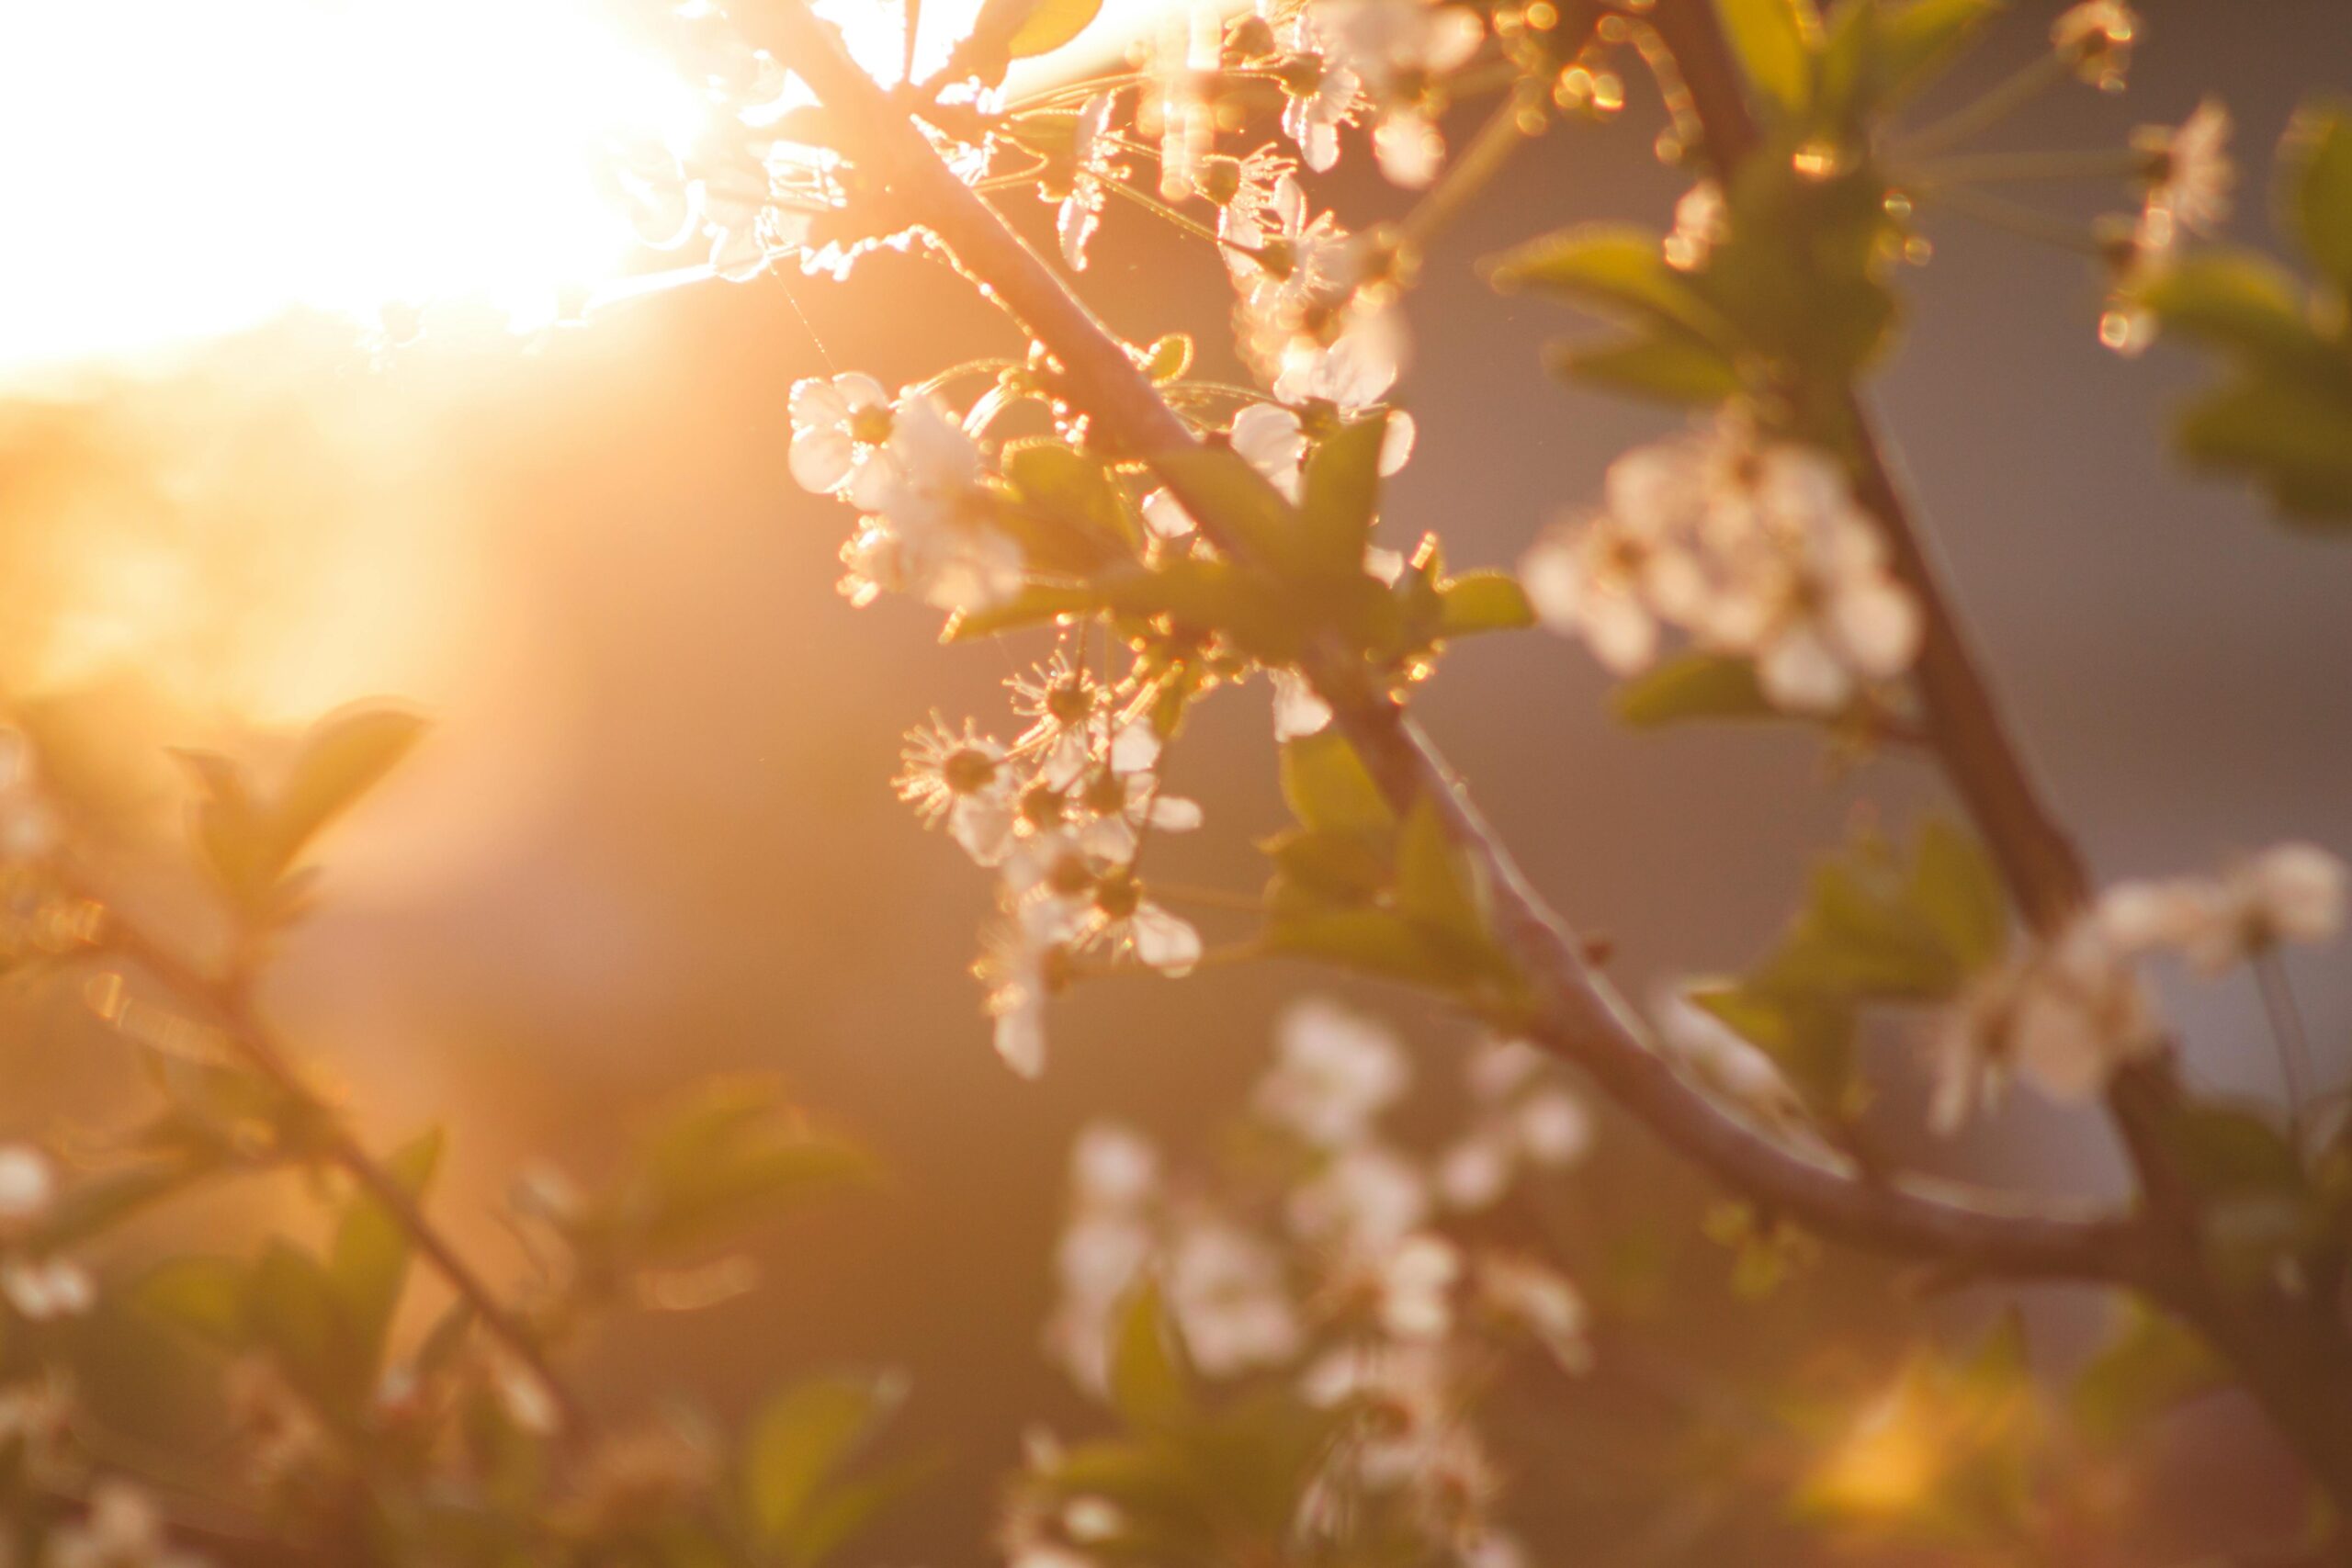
(231, 1006)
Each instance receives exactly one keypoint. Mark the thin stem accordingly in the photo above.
(1208, 898)
(1995, 212)
(2287, 1030)
(1223, 957)
(1152, 203)
(1519, 119)
(232, 1007)
(2003, 98)
(2000, 168)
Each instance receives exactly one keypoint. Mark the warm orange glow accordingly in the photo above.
(175, 172)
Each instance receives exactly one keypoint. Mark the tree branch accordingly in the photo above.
(2296, 1360)
(250, 1037)
(1577, 1017)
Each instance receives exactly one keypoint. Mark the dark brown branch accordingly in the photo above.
(1576, 1016)
(2292, 1355)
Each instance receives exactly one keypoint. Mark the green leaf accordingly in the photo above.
(1774, 41)
(1033, 606)
(1051, 24)
(1956, 886)
(1150, 1385)
(1618, 269)
(1482, 601)
(1918, 42)
(2318, 156)
(1436, 887)
(2291, 437)
(2153, 1363)
(203, 1295)
(1070, 515)
(341, 759)
(1373, 941)
(2230, 1151)
(731, 1154)
(369, 1256)
(802, 1438)
(2236, 300)
(1169, 357)
(1327, 787)
(1670, 366)
(1341, 491)
(842, 1511)
(1809, 1036)
(293, 1307)
(1229, 497)
(1329, 866)
(1692, 687)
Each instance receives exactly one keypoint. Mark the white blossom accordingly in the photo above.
(1754, 549)
(1228, 1295)
(1364, 1200)
(2065, 1015)
(1526, 1293)
(2289, 893)
(1400, 50)
(1522, 1119)
(841, 428)
(2096, 37)
(1336, 1072)
(122, 1530)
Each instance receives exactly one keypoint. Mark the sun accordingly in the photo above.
(174, 171)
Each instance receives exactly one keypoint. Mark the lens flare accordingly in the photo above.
(176, 172)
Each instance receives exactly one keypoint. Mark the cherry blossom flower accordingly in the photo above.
(1243, 191)
(2066, 1016)
(1123, 795)
(960, 776)
(1226, 1293)
(1365, 1199)
(1335, 1073)
(1298, 712)
(1701, 221)
(1016, 964)
(1526, 1293)
(1754, 549)
(1525, 1119)
(839, 430)
(1321, 95)
(122, 1530)
(1415, 1287)
(2289, 893)
(1123, 918)
(37, 1285)
(1590, 578)
(2192, 174)
(1114, 1186)
(2097, 36)
(1400, 50)
(1347, 356)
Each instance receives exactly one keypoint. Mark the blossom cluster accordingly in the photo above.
(1062, 813)
(1752, 547)
(1346, 1279)
(2070, 1010)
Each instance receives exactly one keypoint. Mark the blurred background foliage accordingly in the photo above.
(649, 835)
